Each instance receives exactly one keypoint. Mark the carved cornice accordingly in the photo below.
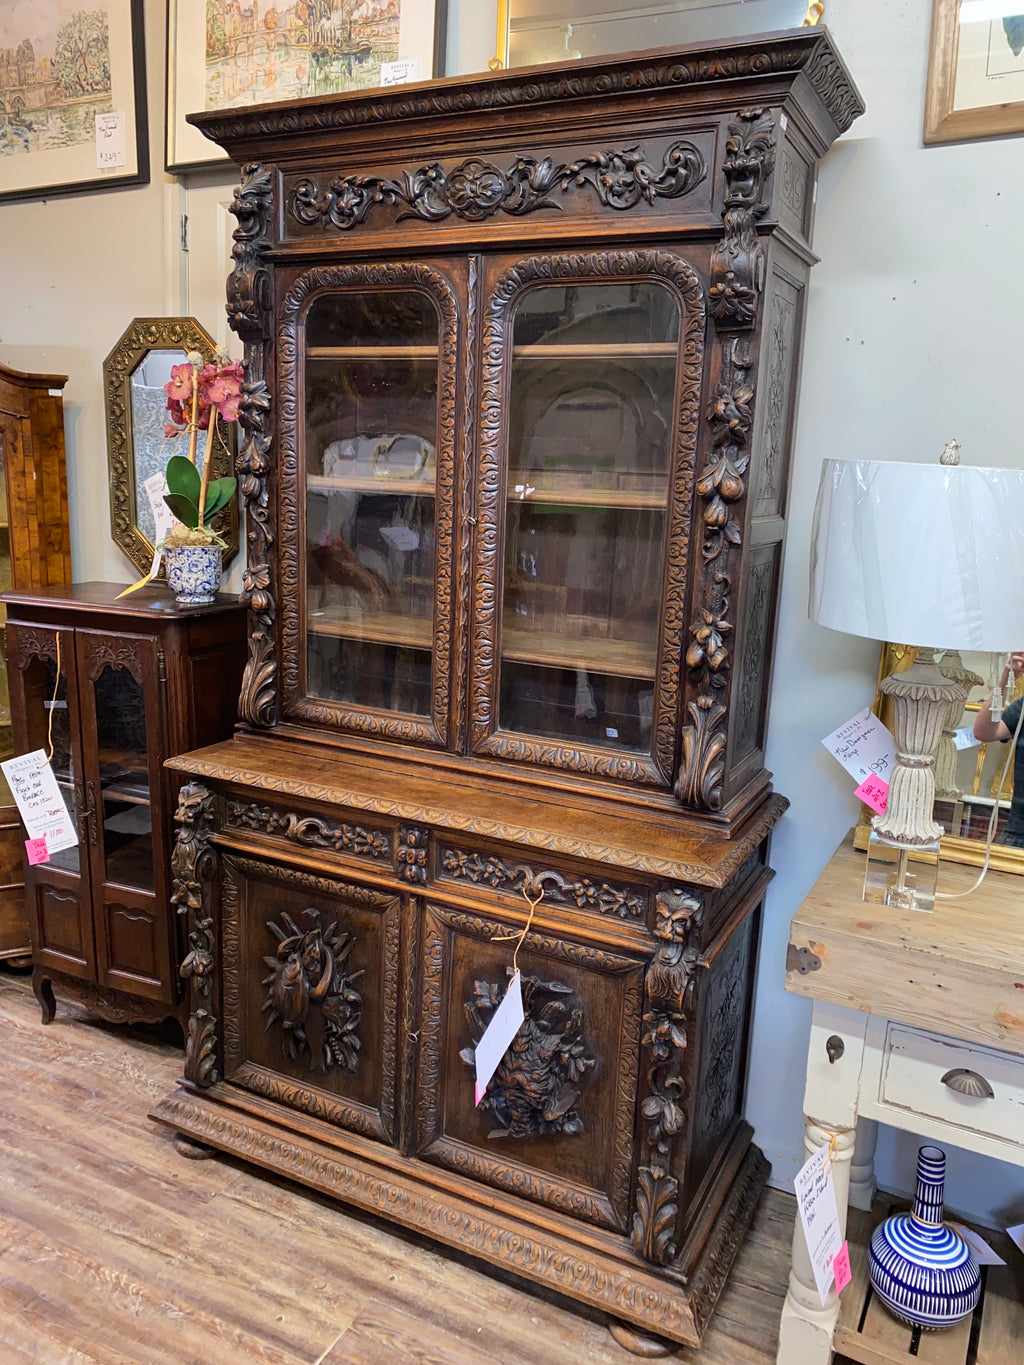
(476, 189)
(672, 869)
(249, 313)
(192, 868)
(619, 266)
(809, 51)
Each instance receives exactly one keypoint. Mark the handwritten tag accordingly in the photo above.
(964, 738)
(874, 792)
(399, 73)
(983, 1253)
(841, 1272)
(819, 1215)
(110, 143)
(505, 1024)
(37, 851)
(863, 746)
(40, 802)
(163, 517)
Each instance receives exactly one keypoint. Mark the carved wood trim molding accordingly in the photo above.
(29, 644)
(488, 869)
(193, 864)
(309, 831)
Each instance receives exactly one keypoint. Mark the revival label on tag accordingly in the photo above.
(505, 1024)
(819, 1215)
(40, 802)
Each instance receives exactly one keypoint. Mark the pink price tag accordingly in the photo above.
(37, 850)
(874, 791)
(841, 1267)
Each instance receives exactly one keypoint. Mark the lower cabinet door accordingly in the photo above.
(311, 983)
(556, 1123)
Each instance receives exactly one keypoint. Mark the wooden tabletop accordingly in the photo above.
(958, 970)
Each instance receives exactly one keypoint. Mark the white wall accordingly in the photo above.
(913, 336)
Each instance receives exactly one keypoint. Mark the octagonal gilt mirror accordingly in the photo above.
(134, 375)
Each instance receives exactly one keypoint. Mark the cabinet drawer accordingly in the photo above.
(914, 1063)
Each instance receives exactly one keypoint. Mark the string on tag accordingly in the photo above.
(506, 938)
(833, 1141)
(53, 705)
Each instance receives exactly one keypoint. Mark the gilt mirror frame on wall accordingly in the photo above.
(975, 72)
(136, 444)
(224, 56)
(533, 32)
(979, 767)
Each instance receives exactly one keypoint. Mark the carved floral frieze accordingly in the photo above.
(584, 892)
(309, 831)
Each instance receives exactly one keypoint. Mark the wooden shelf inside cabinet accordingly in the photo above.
(611, 498)
(868, 1335)
(620, 658)
(366, 483)
(128, 793)
(627, 350)
(371, 352)
(377, 627)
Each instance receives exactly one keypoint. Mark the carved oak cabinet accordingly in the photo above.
(521, 357)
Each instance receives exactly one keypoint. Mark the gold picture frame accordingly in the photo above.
(975, 74)
(896, 658)
(758, 16)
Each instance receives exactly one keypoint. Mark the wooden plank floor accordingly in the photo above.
(114, 1249)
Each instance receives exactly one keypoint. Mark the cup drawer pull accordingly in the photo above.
(966, 1082)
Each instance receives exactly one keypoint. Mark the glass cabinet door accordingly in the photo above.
(371, 456)
(592, 401)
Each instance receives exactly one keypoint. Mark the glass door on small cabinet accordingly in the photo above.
(123, 751)
(600, 379)
(377, 443)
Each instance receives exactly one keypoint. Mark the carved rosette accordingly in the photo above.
(249, 313)
(737, 264)
(310, 995)
(192, 869)
(475, 189)
(668, 1008)
(534, 1090)
(411, 853)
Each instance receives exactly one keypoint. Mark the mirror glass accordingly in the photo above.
(539, 31)
(134, 375)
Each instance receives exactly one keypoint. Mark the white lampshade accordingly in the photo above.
(920, 554)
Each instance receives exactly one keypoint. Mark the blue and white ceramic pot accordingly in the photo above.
(193, 573)
(921, 1269)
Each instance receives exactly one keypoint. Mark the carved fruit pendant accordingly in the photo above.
(921, 1269)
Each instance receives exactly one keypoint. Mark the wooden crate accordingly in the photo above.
(993, 1335)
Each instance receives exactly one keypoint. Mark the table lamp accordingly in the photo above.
(925, 555)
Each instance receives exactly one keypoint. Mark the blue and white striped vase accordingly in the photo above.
(921, 1269)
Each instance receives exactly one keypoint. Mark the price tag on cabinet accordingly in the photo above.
(505, 1024)
(41, 804)
(819, 1215)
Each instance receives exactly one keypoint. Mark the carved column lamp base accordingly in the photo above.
(951, 666)
(922, 699)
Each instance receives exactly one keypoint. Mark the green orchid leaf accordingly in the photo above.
(218, 495)
(186, 511)
(183, 478)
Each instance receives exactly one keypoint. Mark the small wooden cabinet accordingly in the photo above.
(116, 688)
(521, 357)
(35, 549)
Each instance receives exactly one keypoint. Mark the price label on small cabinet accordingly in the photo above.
(40, 801)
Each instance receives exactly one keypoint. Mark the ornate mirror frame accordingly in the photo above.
(954, 848)
(143, 336)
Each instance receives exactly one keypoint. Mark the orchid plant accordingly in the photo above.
(199, 397)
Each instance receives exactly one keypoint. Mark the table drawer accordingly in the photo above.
(911, 1079)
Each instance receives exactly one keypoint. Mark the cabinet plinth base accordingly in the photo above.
(191, 1150)
(639, 1343)
(116, 1007)
(598, 1269)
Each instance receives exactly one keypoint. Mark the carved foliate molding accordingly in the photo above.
(722, 487)
(476, 189)
(192, 868)
(249, 313)
(737, 264)
(311, 999)
(112, 652)
(668, 1010)
(24, 645)
(597, 267)
(489, 870)
(534, 1090)
(309, 831)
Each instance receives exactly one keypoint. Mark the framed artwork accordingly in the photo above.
(72, 97)
(975, 70)
(230, 54)
(537, 31)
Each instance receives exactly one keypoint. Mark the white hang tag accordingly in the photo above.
(400, 72)
(863, 746)
(819, 1215)
(110, 140)
(163, 517)
(40, 801)
(497, 1036)
(964, 738)
(983, 1253)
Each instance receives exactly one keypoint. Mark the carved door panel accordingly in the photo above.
(45, 710)
(592, 371)
(556, 1123)
(369, 487)
(124, 746)
(311, 980)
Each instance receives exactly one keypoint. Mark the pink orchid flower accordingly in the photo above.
(179, 388)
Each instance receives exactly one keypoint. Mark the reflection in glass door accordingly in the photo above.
(123, 770)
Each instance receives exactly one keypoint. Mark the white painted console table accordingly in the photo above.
(910, 1010)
